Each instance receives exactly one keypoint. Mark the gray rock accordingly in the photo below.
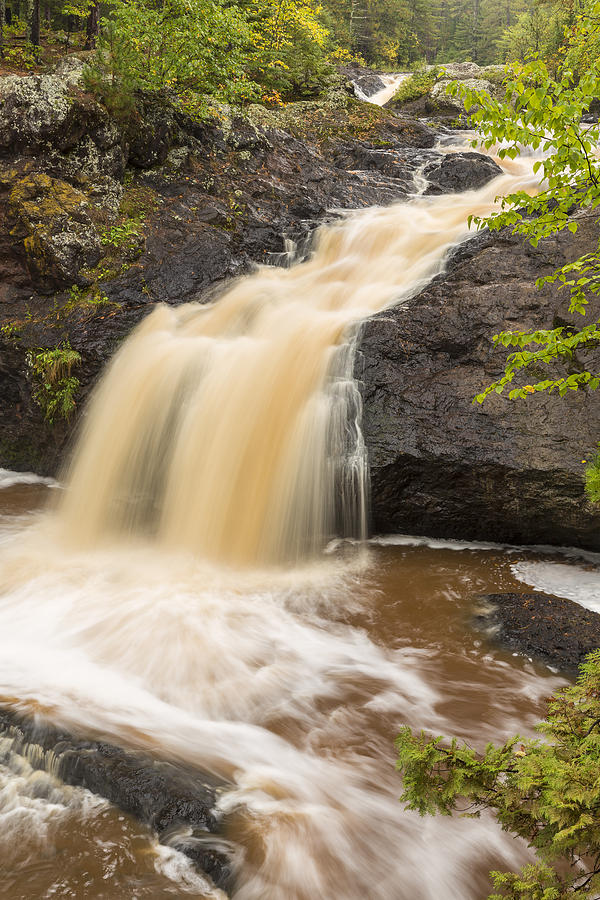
(460, 71)
(71, 69)
(460, 172)
(440, 465)
(34, 110)
(66, 132)
(369, 84)
(440, 97)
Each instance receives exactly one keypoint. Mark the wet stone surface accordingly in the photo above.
(554, 630)
(177, 803)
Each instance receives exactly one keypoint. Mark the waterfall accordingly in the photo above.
(232, 429)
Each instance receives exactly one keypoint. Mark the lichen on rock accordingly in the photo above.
(51, 219)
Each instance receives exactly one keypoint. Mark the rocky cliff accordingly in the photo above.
(100, 219)
(440, 465)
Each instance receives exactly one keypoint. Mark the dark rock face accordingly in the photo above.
(507, 470)
(216, 196)
(460, 172)
(554, 630)
(166, 797)
(370, 84)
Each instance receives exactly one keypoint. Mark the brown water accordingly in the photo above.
(300, 713)
(184, 596)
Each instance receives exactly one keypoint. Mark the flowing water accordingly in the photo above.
(184, 596)
(380, 98)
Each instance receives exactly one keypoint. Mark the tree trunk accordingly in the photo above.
(91, 31)
(35, 23)
(2, 21)
(28, 18)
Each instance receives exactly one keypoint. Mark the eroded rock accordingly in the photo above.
(369, 84)
(460, 172)
(176, 802)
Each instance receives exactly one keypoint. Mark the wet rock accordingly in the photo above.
(460, 172)
(176, 802)
(151, 133)
(370, 84)
(51, 220)
(556, 631)
(444, 102)
(440, 465)
(217, 196)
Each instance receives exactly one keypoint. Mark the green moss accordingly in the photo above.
(54, 385)
(592, 479)
(138, 201)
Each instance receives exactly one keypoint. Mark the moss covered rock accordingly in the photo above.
(52, 221)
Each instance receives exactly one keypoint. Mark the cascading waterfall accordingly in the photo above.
(178, 601)
(231, 429)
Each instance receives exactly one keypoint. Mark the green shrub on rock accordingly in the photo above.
(54, 385)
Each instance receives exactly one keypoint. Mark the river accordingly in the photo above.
(186, 593)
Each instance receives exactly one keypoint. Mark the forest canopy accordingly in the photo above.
(276, 49)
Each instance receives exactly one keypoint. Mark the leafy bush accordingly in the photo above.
(55, 387)
(416, 85)
(547, 792)
(178, 45)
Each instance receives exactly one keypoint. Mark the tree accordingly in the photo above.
(93, 25)
(179, 45)
(289, 41)
(549, 113)
(547, 792)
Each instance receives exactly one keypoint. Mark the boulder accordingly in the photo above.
(68, 134)
(508, 471)
(553, 630)
(176, 802)
(152, 133)
(370, 84)
(461, 71)
(460, 172)
(52, 223)
(441, 100)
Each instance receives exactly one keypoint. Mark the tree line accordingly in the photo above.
(248, 49)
